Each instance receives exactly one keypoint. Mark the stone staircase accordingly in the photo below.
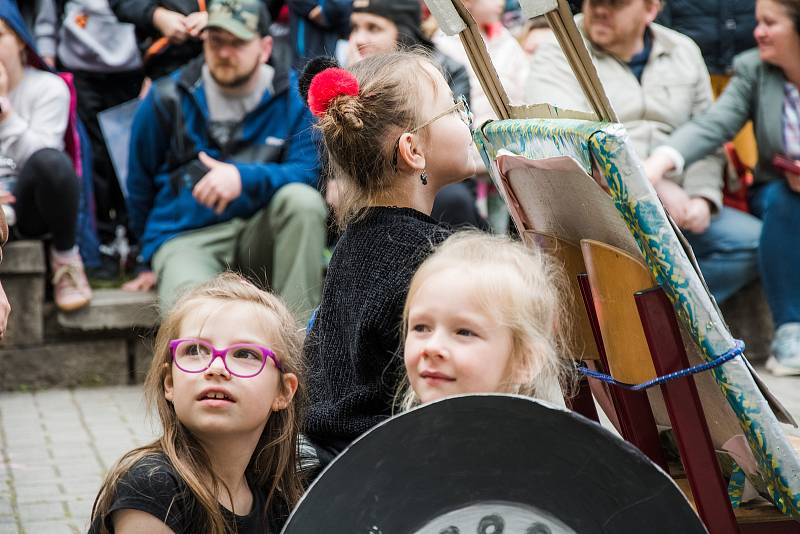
(105, 343)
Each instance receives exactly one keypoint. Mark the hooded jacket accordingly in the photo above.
(274, 145)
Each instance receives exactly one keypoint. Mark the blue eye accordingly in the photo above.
(465, 332)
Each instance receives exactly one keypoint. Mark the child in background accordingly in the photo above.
(511, 64)
(482, 316)
(394, 138)
(222, 379)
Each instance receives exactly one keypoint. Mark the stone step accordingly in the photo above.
(113, 309)
(22, 274)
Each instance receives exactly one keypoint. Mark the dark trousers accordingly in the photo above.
(98, 92)
(47, 195)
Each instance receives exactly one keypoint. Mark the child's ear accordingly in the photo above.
(168, 386)
(409, 153)
(289, 383)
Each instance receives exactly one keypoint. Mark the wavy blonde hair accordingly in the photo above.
(273, 465)
(526, 291)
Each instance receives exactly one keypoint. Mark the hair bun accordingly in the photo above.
(312, 68)
(327, 85)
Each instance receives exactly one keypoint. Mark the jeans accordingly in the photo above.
(779, 249)
(727, 251)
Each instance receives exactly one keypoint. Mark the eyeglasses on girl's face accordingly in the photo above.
(464, 113)
(243, 360)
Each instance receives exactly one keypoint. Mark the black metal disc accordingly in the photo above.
(491, 464)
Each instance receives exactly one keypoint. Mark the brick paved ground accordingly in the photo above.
(55, 445)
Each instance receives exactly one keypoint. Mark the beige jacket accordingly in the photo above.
(675, 87)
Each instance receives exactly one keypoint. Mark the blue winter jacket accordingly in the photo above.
(274, 145)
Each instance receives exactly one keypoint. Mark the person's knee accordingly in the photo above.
(782, 202)
(299, 200)
(52, 167)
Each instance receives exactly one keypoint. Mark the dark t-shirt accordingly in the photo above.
(153, 486)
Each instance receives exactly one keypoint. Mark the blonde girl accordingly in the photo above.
(394, 137)
(482, 315)
(222, 380)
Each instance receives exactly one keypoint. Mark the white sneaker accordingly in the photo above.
(784, 359)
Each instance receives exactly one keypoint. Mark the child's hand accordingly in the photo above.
(221, 185)
(793, 180)
(144, 281)
(5, 311)
(698, 215)
(196, 22)
(171, 24)
(3, 80)
(675, 200)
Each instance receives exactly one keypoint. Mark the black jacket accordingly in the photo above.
(721, 28)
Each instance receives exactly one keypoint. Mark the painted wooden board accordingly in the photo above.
(546, 143)
(455, 467)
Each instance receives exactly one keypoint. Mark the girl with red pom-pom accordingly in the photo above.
(394, 137)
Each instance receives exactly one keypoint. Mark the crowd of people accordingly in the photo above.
(262, 124)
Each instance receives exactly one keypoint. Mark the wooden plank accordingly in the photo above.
(614, 277)
(582, 344)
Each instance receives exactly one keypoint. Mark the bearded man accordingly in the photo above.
(656, 80)
(223, 168)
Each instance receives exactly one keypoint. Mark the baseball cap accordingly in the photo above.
(246, 19)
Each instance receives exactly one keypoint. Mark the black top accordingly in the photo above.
(153, 486)
(352, 348)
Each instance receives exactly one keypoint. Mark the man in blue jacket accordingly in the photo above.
(222, 166)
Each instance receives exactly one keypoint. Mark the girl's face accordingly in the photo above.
(371, 34)
(485, 12)
(449, 157)
(10, 48)
(248, 401)
(453, 346)
(777, 38)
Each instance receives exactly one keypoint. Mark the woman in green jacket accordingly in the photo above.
(764, 89)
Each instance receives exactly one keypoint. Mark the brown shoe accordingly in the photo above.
(71, 289)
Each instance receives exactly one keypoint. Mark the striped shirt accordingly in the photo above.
(791, 120)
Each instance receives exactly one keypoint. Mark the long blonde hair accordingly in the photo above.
(525, 290)
(273, 465)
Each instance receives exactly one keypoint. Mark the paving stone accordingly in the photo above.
(41, 491)
(48, 527)
(42, 511)
(27, 474)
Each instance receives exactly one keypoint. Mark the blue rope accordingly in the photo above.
(737, 350)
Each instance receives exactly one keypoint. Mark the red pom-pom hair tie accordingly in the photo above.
(327, 85)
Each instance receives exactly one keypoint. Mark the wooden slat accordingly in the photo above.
(574, 48)
(569, 254)
(615, 276)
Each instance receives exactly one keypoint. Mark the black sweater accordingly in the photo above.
(352, 349)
